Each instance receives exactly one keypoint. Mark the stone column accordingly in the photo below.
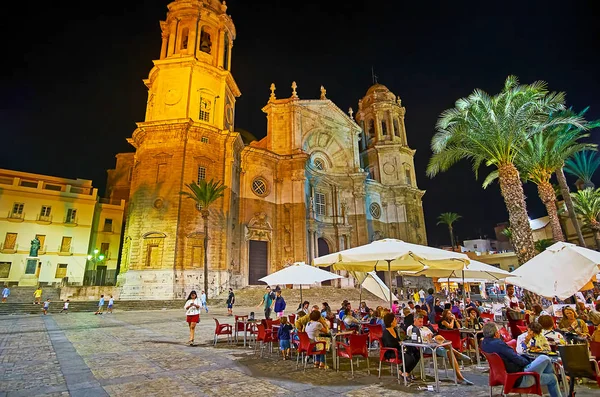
(172, 38)
(311, 248)
(377, 127)
(163, 47)
(391, 130)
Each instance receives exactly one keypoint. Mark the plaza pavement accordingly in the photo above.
(144, 353)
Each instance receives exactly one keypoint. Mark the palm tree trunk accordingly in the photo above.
(514, 198)
(564, 188)
(522, 237)
(451, 237)
(546, 193)
(205, 220)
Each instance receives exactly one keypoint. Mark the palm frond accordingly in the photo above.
(586, 203)
(448, 218)
(205, 192)
(492, 176)
(583, 165)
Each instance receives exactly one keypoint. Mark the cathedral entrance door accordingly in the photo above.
(323, 249)
(258, 257)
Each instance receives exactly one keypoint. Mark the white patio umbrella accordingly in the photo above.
(372, 283)
(392, 255)
(561, 270)
(299, 273)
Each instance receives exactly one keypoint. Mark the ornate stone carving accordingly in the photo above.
(323, 92)
(294, 93)
(272, 96)
(259, 228)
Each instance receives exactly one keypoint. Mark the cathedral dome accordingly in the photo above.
(378, 89)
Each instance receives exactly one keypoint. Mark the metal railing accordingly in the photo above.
(69, 220)
(9, 248)
(16, 215)
(65, 251)
(44, 218)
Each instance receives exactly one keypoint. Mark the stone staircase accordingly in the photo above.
(252, 296)
(21, 298)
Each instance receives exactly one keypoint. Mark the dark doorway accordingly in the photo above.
(100, 275)
(381, 275)
(258, 257)
(323, 249)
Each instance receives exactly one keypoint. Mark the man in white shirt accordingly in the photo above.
(511, 302)
(422, 296)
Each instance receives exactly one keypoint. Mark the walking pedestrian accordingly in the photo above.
(230, 302)
(100, 305)
(192, 311)
(267, 302)
(279, 303)
(203, 300)
(5, 293)
(111, 302)
(65, 307)
(37, 295)
(46, 306)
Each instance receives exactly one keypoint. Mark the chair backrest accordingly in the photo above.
(505, 334)
(497, 369)
(576, 360)
(304, 342)
(217, 324)
(487, 316)
(453, 336)
(595, 349)
(358, 344)
(375, 332)
(292, 318)
(262, 332)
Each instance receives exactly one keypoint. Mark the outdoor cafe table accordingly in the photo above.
(246, 322)
(432, 346)
(555, 358)
(473, 332)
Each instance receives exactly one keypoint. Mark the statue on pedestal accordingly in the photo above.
(35, 246)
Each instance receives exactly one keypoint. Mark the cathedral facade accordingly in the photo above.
(320, 181)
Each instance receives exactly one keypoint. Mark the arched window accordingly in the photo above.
(383, 127)
(407, 176)
(371, 129)
(185, 33)
(226, 52)
(397, 127)
(204, 110)
(205, 43)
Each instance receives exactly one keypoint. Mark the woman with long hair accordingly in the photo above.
(192, 311)
(448, 320)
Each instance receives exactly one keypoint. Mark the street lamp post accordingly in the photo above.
(95, 259)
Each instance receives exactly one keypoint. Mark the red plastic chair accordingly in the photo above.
(292, 318)
(240, 326)
(435, 327)
(375, 334)
(499, 377)
(522, 328)
(487, 316)
(453, 335)
(591, 329)
(356, 347)
(595, 350)
(222, 329)
(397, 360)
(512, 343)
(306, 348)
(505, 334)
(263, 337)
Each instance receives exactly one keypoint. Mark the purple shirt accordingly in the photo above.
(456, 312)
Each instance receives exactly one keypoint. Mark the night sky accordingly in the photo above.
(73, 89)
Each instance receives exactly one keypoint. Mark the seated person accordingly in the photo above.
(532, 340)
(300, 323)
(326, 311)
(574, 327)
(473, 320)
(350, 322)
(369, 316)
(493, 343)
(314, 328)
(345, 304)
(582, 312)
(548, 331)
(536, 312)
(448, 321)
(427, 335)
(411, 306)
(456, 310)
(468, 303)
(391, 339)
(395, 307)
(408, 318)
(363, 309)
(594, 315)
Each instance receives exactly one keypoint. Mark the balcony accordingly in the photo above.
(8, 249)
(65, 251)
(42, 250)
(107, 229)
(15, 216)
(70, 221)
(44, 219)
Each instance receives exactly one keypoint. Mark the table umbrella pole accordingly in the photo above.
(464, 292)
(389, 261)
(301, 295)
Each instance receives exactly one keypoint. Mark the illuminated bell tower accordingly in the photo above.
(386, 156)
(187, 136)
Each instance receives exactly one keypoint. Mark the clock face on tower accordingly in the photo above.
(228, 114)
(205, 105)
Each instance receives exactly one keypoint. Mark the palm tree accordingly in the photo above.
(541, 245)
(587, 204)
(490, 130)
(537, 160)
(583, 165)
(448, 218)
(204, 194)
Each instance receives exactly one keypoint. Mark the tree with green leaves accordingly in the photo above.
(448, 218)
(587, 204)
(541, 245)
(205, 194)
(539, 157)
(583, 165)
(490, 130)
